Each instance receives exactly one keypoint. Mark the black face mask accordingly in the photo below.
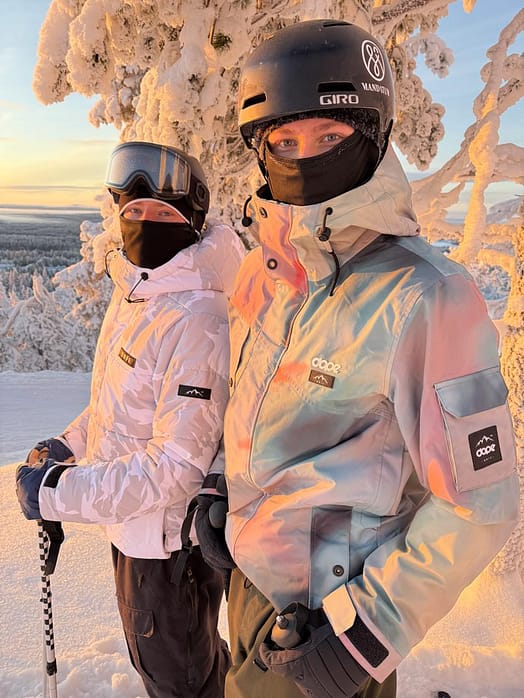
(307, 181)
(149, 244)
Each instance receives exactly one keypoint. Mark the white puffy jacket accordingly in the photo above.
(158, 395)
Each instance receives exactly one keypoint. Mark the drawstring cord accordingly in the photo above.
(105, 262)
(144, 276)
(323, 235)
(246, 220)
(337, 272)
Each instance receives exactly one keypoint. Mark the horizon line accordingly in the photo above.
(53, 207)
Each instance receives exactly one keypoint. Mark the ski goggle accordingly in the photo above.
(165, 171)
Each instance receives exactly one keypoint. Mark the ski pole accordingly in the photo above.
(47, 564)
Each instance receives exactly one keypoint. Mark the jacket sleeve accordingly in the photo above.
(190, 387)
(75, 434)
(450, 402)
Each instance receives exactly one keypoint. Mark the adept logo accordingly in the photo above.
(373, 60)
(330, 366)
(194, 391)
(484, 447)
(322, 377)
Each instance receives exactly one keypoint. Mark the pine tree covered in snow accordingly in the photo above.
(168, 71)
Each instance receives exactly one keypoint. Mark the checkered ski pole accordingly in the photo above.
(49, 639)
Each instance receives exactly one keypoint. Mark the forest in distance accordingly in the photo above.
(38, 243)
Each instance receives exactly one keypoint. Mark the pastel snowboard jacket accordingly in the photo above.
(370, 455)
(158, 394)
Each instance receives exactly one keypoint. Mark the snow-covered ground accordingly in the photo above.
(476, 652)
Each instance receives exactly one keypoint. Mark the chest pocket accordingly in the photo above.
(479, 431)
(127, 404)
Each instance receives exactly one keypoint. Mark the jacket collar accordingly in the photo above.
(382, 206)
(210, 264)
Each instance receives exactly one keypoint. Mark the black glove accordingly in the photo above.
(53, 448)
(28, 481)
(210, 521)
(315, 659)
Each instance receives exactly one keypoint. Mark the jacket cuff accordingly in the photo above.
(46, 493)
(54, 473)
(369, 647)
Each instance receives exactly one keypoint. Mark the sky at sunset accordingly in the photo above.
(52, 155)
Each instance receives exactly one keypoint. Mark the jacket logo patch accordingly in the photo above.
(321, 379)
(485, 447)
(127, 358)
(194, 391)
(324, 365)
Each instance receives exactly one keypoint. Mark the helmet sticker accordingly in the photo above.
(373, 60)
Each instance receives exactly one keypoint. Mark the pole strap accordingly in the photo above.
(55, 533)
(187, 543)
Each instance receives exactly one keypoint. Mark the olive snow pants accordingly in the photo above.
(251, 617)
(171, 629)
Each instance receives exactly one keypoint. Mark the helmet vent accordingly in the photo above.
(336, 87)
(256, 99)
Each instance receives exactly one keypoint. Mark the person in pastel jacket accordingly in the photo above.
(370, 456)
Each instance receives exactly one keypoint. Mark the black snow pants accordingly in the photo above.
(171, 629)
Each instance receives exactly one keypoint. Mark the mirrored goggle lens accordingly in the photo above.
(165, 172)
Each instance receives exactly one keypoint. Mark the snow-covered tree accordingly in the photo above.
(481, 159)
(168, 71)
(35, 332)
(483, 239)
(58, 329)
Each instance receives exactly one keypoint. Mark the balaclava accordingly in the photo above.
(149, 244)
(307, 181)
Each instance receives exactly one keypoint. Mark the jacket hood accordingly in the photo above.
(382, 206)
(210, 264)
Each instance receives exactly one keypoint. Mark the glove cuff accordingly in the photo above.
(372, 652)
(53, 476)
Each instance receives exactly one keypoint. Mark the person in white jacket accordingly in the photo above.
(153, 428)
(370, 456)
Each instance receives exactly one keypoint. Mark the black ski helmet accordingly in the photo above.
(141, 169)
(315, 66)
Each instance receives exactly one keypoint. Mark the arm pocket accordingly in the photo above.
(478, 427)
